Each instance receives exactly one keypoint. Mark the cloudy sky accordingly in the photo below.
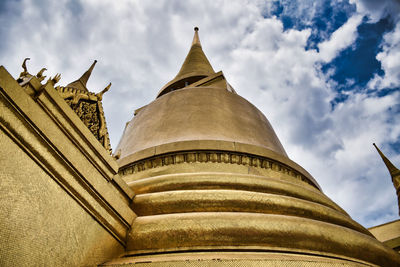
(325, 73)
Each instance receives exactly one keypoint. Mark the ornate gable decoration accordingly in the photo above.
(89, 109)
(85, 104)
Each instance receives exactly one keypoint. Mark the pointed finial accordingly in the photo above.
(81, 82)
(25, 73)
(24, 64)
(40, 75)
(196, 39)
(392, 169)
(85, 77)
(24, 76)
(394, 173)
(54, 80)
(100, 95)
(196, 66)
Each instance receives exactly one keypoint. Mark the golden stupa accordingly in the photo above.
(199, 178)
(212, 181)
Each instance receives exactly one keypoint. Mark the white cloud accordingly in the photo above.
(375, 10)
(340, 39)
(335, 146)
(389, 58)
(140, 46)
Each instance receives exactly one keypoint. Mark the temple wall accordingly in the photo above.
(62, 202)
(41, 224)
(388, 233)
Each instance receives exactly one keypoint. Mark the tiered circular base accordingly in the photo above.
(259, 211)
(237, 259)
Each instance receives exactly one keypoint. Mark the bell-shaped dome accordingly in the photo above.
(204, 108)
(198, 114)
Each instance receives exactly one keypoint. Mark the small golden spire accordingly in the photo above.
(85, 77)
(81, 82)
(196, 39)
(394, 173)
(195, 67)
(196, 62)
(392, 169)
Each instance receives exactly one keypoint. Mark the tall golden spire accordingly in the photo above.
(196, 62)
(81, 82)
(196, 39)
(195, 67)
(394, 173)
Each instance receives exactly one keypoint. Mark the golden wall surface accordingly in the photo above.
(388, 233)
(61, 200)
(41, 225)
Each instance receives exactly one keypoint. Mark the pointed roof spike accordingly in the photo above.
(85, 77)
(196, 61)
(195, 67)
(196, 39)
(394, 173)
(82, 81)
(24, 64)
(392, 169)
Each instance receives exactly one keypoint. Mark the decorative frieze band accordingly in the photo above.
(213, 157)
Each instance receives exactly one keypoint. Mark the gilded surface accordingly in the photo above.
(228, 211)
(210, 175)
(244, 263)
(199, 113)
(195, 67)
(61, 204)
(388, 233)
(239, 259)
(196, 62)
(231, 181)
(213, 157)
(88, 113)
(41, 225)
(87, 106)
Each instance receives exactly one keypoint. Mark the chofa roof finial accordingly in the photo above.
(394, 173)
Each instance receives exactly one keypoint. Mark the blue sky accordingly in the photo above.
(325, 73)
